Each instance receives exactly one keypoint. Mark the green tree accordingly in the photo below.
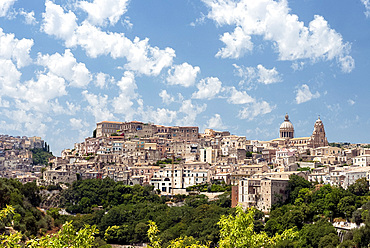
(238, 231)
(295, 184)
(346, 206)
(360, 187)
(329, 241)
(182, 242)
(41, 156)
(66, 237)
(311, 234)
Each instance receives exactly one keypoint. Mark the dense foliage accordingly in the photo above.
(129, 208)
(216, 186)
(84, 195)
(67, 236)
(24, 198)
(41, 156)
(122, 214)
(311, 209)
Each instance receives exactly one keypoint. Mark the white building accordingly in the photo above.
(362, 160)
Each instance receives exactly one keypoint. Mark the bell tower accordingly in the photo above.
(318, 137)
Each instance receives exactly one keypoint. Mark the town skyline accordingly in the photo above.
(238, 66)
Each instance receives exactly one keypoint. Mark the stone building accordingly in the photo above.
(261, 193)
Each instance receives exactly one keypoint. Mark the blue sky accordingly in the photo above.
(221, 64)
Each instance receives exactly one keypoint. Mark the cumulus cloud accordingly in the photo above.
(67, 67)
(239, 97)
(28, 123)
(259, 74)
(59, 24)
(237, 44)
(216, 122)
(141, 57)
(166, 98)
(98, 106)
(9, 78)
(159, 116)
(208, 88)
(16, 50)
(272, 20)
(183, 75)
(367, 7)
(255, 109)
(191, 112)
(37, 94)
(124, 102)
(102, 79)
(76, 124)
(5, 5)
(100, 11)
(267, 76)
(304, 94)
(29, 17)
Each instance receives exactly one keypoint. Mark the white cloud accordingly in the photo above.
(255, 109)
(141, 57)
(127, 23)
(9, 78)
(28, 123)
(215, 122)
(266, 76)
(29, 17)
(98, 106)
(99, 11)
(124, 102)
(199, 21)
(297, 66)
(38, 93)
(304, 94)
(166, 98)
(239, 97)
(159, 116)
(367, 7)
(4, 103)
(5, 5)
(76, 124)
(237, 44)
(56, 22)
(14, 49)
(183, 75)
(72, 108)
(259, 74)
(101, 80)
(351, 102)
(67, 67)
(272, 20)
(191, 112)
(208, 88)
(347, 63)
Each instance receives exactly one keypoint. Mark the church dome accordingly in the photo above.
(286, 124)
(286, 128)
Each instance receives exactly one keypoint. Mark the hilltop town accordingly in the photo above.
(173, 158)
(19, 157)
